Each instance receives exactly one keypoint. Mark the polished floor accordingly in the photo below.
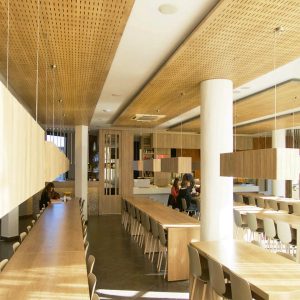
(122, 270)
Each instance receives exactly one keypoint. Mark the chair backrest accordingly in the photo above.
(296, 209)
(269, 228)
(252, 201)
(162, 235)
(237, 218)
(22, 236)
(240, 288)
(147, 223)
(183, 203)
(195, 264)
(95, 297)
(33, 222)
(239, 198)
(92, 284)
(252, 221)
(86, 247)
(284, 232)
(273, 204)
(15, 246)
(84, 238)
(261, 203)
(246, 200)
(286, 255)
(256, 243)
(284, 206)
(3, 264)
(28, 228)
(216, 277)
(154, 228)
(90, 263)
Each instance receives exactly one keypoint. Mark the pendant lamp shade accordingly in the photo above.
(272, 163)
(176, 165)
(153, 165)
(138, 165)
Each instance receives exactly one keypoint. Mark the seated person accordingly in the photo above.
(184, 192)
(46, 195)
(174, 193)
(190, 178)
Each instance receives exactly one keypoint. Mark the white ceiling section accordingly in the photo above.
(148, 40)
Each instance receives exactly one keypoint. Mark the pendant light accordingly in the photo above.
(271, 163)
(179, 164)
(152, 164)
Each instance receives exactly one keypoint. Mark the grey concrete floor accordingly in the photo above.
(121, 268)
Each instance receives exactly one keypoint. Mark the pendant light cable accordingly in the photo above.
(37, 61)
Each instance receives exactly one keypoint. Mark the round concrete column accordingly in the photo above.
(216, 137)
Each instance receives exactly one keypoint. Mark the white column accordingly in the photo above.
(10, 224)
(278, 141)
(216, 137)
(81, 165)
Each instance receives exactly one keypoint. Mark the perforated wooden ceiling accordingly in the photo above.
(80, 37)
(257, 106)
(235, 41)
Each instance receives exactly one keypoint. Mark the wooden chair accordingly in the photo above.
(15, 246)
(92, 284)
(261, 203)
(197, 271)
(285, 235)
(270, 233)
(33, 222)
(86, 247)
(239, 222)
(3, 264)
(90, 264)
(154, 238)
(22, 236)
(163, 245)
(217, 280)
(284, 206)
(28, 228)
(240, 288)
(253, 226)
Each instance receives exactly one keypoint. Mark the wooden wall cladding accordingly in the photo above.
(169, 140)
(272, 163)
(235, 41)
(23, 161)
(80, 37)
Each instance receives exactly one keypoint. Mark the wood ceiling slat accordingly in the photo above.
(80, 37)
(235, 41)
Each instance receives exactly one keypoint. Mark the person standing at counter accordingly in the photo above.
(174, 193)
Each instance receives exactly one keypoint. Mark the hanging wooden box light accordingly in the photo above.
(176, 165)
(153, 165)
(138, 165)
(272, 163)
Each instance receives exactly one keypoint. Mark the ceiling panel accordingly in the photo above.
(235, 41)
(80, 37)
(263, 103)
(287, 121)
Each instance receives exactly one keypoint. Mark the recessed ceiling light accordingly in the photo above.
(167, 9)
(106, 110)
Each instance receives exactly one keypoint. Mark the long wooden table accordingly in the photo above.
(50, 263)
(277, 216)
(270, 276)
(181, 228)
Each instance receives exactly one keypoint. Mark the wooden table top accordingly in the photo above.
(50, 263)
(270, 276)
(164, 215)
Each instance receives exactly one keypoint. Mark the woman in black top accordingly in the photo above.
(184, 192)
(45, 197)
